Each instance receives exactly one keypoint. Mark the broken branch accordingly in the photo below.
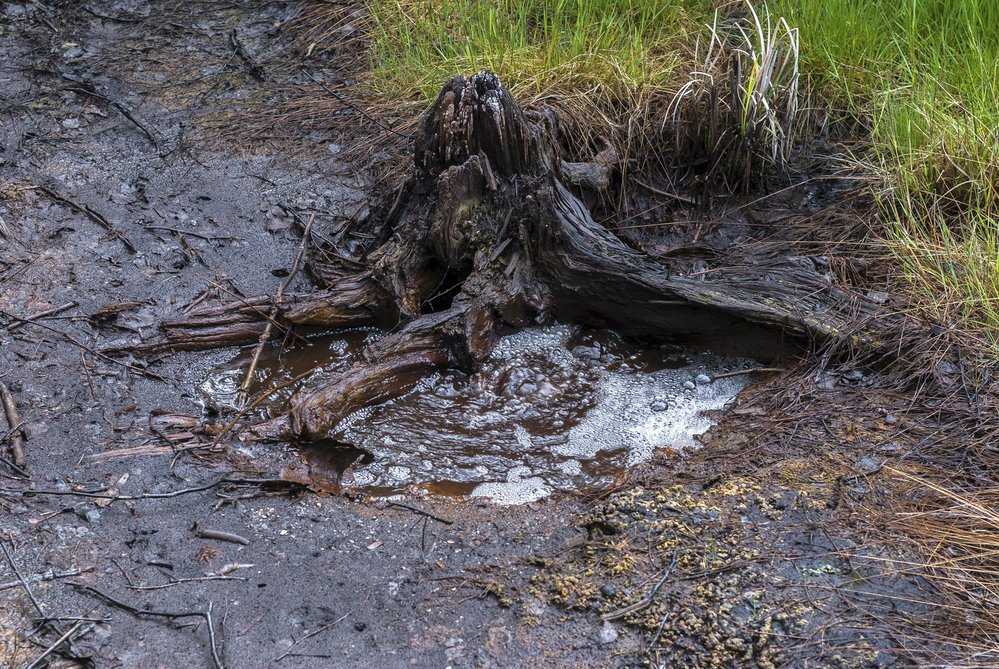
(16, 434)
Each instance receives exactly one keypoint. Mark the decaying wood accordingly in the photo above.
(16, 433)
(353, 301)
(486, 220)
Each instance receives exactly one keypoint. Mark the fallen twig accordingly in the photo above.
(17, 470)
(664, 193)
(223, 536)
(646, 601)
(257, 402)
(180, 581)
(310, 635)
(58, 642)
(155, 495)
(41, 314)
(420, 512)
(134, 610)
(76, 342)
(16, 434)
(255, 68)
(38, 607)
(209, 238)
(349, 104)
(89, 213)
(21, 580)
(88, 88)
(43, 577)
(266, 334)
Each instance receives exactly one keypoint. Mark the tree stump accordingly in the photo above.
(486, 216)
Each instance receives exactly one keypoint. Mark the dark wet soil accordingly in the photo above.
(745, 553)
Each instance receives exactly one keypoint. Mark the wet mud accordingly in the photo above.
(415, 558)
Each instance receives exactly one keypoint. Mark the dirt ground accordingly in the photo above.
(758, 550)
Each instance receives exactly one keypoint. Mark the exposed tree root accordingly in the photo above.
(486, 215)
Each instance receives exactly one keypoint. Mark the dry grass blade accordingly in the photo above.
(958, 531)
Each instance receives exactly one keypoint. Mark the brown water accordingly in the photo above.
(554, 408)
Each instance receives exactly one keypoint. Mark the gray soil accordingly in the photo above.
(756, 560)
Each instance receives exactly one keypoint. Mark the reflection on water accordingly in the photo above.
(553, 408)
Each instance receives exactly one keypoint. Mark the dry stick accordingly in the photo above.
(76, 342)
(255, 68)
(209, 238)
(89, 213)
(257, 402)
(31, 595)
(154, 495)
(51, 649)
(42, 314)
(657, 191)
(134, 610)
(36, 579)
(347, 103)
(266, 334)
(17, 470)
(21, 580)
(242, 299)
(87, 88)
(16, 434)
(646, 601)
(312, 634)
(421, 512)
(223, 536)
(180, 581)
(740, 372)
(97, 495)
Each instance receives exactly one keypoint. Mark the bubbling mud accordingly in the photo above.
(553, 408)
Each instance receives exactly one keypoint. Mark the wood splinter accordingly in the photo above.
(16, 434)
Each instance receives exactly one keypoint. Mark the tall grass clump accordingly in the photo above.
(738, 109)
(598, 48)
(608, 66)
(923, 75)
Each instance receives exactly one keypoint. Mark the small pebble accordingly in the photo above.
(702, 379)
(689, 385)
(608, 633)
(608, 590)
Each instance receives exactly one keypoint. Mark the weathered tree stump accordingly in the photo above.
(486, 214)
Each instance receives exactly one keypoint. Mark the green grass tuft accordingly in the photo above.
(923, 75)
(603, 48)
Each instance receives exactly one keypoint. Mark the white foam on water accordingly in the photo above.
(551, 408)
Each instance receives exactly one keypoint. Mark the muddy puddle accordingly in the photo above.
(554, 408)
